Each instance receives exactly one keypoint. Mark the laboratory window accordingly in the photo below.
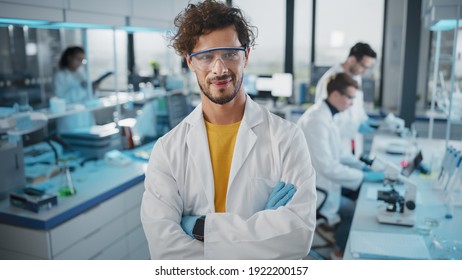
(341, 24)
(268, 55)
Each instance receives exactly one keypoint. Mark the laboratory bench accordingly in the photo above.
(101, 221)
(433, 235)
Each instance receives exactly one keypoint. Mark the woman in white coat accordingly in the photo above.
(335, 167)
(70, 84)
(188, 211)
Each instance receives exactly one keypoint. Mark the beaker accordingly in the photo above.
(24, 101)
(66, 187)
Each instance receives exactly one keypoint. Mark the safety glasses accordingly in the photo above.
(230, 56)
(347, 96)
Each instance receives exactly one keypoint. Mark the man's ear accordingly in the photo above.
(188, 61)
(247, 53)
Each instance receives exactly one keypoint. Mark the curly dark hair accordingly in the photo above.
(204, 17)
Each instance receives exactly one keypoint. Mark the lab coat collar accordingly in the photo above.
(246, 138)
(332, 109)
(198, 146)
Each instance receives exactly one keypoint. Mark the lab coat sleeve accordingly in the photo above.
(317, 136)
(60, 85)
(352, 162)
(284, 233)
(161, 212)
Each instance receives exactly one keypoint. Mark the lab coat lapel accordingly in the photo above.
(246, 138)
(198, 147)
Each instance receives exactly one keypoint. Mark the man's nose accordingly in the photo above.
(219, 67)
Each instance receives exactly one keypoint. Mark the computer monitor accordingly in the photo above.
(264, 86)
(282, 85)
(264, 83)
(407, 171)
(316, 73)
(368, 88)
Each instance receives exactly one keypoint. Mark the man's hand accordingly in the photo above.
(365, 127)
(187, 224)
(280, 196)
(373, 176)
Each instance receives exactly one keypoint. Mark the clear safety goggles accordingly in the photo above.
(206, 59)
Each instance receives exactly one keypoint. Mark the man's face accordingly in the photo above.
(362, 65)
(345, 99)
(218, 59)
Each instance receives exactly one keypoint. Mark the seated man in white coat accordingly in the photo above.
(335, 167)
(232, 180)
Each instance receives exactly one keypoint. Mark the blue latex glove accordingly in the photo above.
(373, 176)
(280, 195)
(373, 122)
(366, 168)
(188, 223)
(364, 127)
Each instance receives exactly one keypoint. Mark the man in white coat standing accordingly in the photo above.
(335, 167)
(232, 180)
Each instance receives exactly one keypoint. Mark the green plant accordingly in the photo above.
(154, 64)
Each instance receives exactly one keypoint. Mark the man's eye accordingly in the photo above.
(230, 54)
(204, 57)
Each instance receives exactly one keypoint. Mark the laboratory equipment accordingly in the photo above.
(394, 123)
(448, 167)
(11, 167)
(453, 177)
(117, 158)
(17, 130)
(33, 201)
(42, 152)
(18, 125)
(66, 187)
(399, 209)
(57, 105)
(94, 141)
(412, 165)
(379, 164)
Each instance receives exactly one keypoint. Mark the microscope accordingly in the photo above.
(398, 209)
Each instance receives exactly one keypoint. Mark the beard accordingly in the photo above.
(222, 98)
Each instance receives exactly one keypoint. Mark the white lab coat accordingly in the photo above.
(179, 182)
(334, 166)
(71, 86)
(348, 121)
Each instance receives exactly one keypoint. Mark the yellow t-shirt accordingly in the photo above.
(221, 145)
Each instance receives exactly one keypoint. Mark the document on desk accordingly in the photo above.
(391, 246)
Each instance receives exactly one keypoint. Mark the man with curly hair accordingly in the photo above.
(232, 180)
